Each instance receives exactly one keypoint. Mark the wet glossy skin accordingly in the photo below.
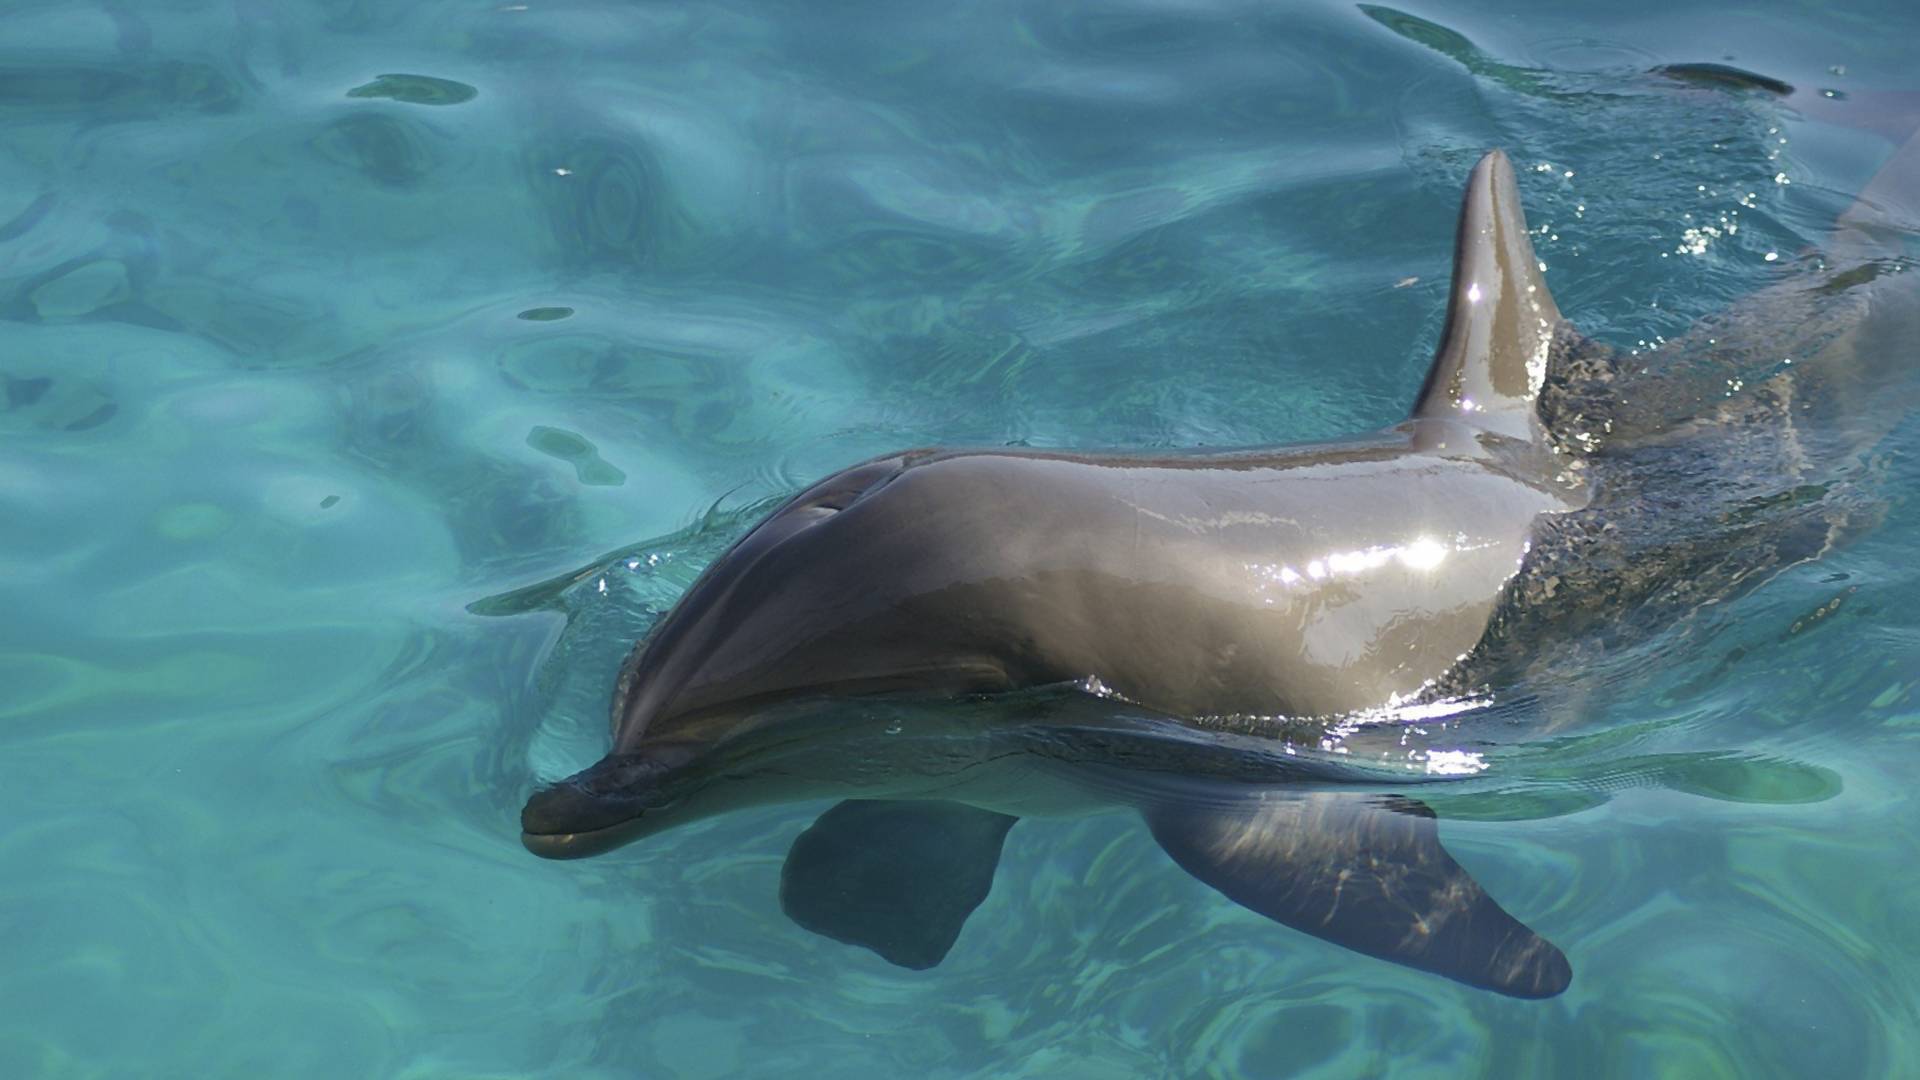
(1306, 581)
(1438, 556)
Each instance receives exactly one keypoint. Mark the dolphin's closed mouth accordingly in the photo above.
(584, 814)
(575, 842)
(579, 845)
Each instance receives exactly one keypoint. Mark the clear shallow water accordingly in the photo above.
(273, 420)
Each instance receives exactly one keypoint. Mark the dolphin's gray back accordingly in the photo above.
(1318, 582)
(1300, 581)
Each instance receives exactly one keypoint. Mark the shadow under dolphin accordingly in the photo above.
(952, 640)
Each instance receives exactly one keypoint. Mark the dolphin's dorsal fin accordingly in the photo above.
(1501, 319)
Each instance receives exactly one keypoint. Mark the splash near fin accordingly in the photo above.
(1501, 319)
(898, 877)
(1365, 872)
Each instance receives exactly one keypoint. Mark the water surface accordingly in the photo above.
(322, 321)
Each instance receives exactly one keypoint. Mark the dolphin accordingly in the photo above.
(950, 640)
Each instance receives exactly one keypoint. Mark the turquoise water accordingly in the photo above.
(323, 323)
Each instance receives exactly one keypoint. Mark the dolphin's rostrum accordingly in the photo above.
(950, 640)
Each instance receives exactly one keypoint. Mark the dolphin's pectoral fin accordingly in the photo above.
(898, 877)
(1366, 872)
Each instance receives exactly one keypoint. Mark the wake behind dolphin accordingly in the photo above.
(951, 640)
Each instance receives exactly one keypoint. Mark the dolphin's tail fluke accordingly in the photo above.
(1365, 872)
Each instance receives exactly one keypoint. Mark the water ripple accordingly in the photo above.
(320, 321)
